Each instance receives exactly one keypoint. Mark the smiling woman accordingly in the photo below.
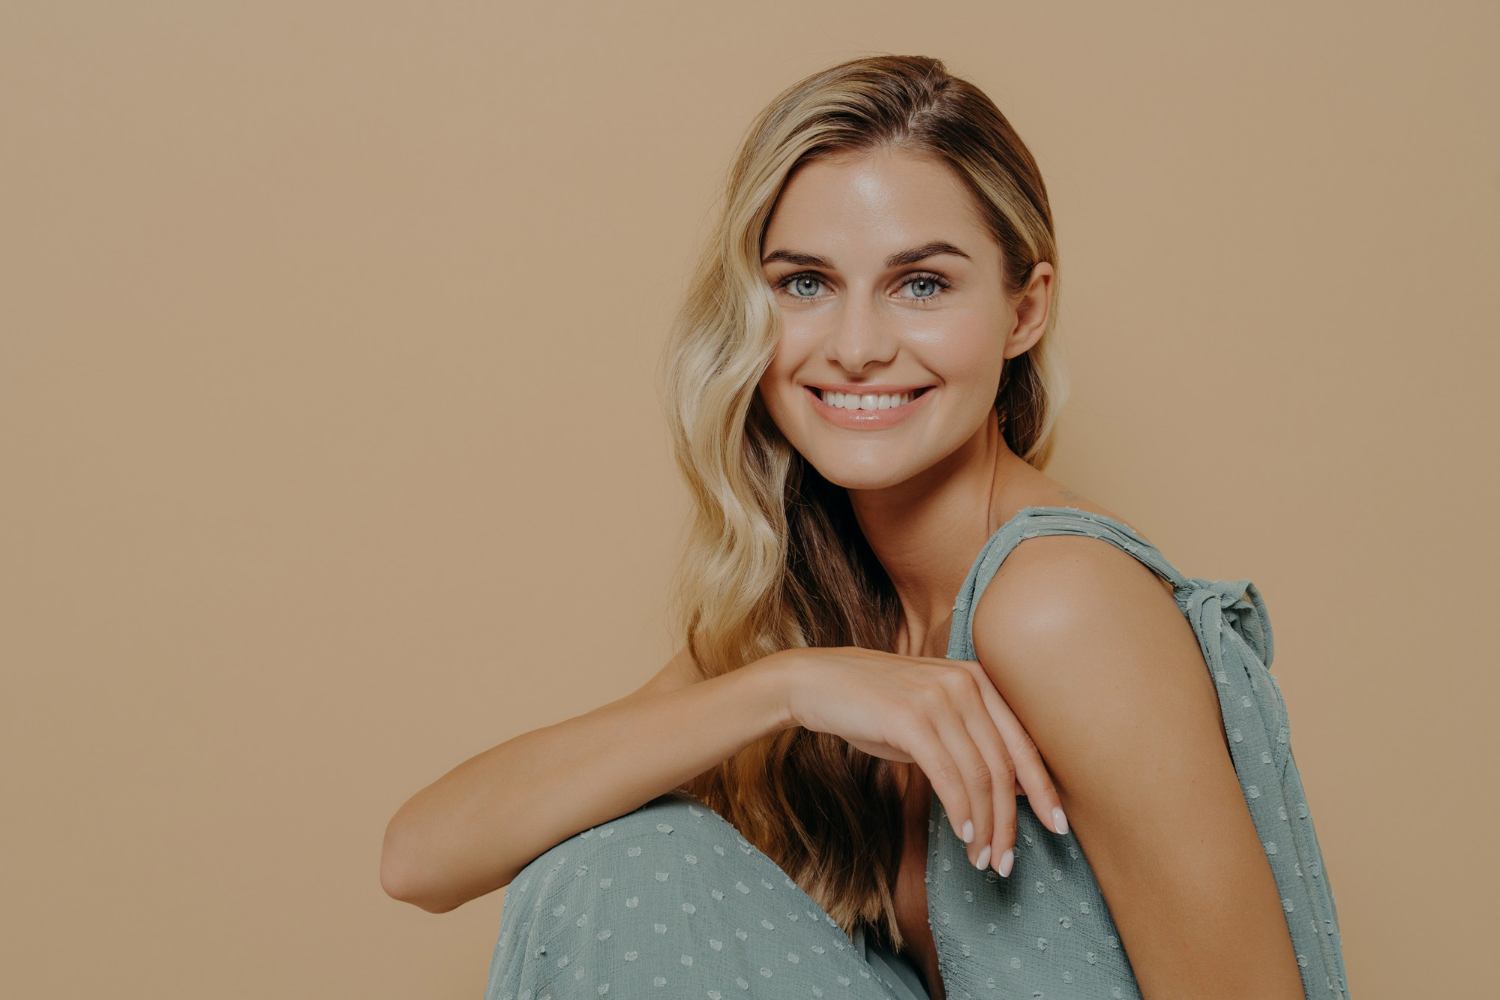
(862, 385)
(932, 317)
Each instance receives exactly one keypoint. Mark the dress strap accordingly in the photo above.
(1029, 522)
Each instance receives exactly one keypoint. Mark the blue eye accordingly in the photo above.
(787, 282)
(935, 282)
(930, 279)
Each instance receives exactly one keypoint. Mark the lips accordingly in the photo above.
(867, 390)
(862, 419)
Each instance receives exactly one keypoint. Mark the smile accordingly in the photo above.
(867, 401)
(868, 411)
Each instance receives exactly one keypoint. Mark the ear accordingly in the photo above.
(1032, 308)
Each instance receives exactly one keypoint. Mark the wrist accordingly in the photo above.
(777, 676)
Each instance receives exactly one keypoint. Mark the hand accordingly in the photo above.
(943, 715)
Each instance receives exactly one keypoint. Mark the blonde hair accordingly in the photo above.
(774, 558)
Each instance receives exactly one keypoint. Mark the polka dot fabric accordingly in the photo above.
(671, 901)
(1046, 931)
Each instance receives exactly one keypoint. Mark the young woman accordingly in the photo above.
(863, 387)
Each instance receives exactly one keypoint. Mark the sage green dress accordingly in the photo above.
(669, 900)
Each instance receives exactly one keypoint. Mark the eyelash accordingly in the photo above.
(937, 279)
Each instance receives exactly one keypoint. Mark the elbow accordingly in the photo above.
(395, 878)
(400, 878)
(408, 875)
(403, 880)
(399, 884)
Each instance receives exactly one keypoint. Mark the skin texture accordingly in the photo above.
(1105, 673)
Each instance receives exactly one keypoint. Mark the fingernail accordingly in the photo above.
(968, 833)
(984, 857)
(1006, 860)
(1059, 820)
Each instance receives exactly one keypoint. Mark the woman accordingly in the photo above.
(863, 387)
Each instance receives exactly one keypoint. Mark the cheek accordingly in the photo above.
(798, 337)
(775, 387)
(778, 370)
(792, 351)
(967, 354)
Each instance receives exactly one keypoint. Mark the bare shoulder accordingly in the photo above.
(680, 671)
(1075, 553)
(1068, 617)
(1074, 581)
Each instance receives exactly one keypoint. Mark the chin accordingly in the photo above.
(859, 476)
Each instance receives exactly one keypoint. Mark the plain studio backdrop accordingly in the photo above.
(332, 454)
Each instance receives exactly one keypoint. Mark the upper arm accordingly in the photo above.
(1105, 673)
(679, 672)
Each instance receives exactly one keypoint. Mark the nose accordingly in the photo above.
(861, 335)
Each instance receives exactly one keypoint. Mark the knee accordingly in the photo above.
(653, 859)
(674, 822)
(676, 815)
(669, 851)
(683, 818)
(669, 890)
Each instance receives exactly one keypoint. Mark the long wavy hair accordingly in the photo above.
(774, 558)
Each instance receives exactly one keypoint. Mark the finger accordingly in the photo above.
(1034, 778)
(1004, 838)
(948, 715)
(1000, 835)
(943, 773)
(1013, 733)
(1031, 775)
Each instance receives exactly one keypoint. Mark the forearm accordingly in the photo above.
(471, 831)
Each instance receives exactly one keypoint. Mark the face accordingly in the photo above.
(889, 291)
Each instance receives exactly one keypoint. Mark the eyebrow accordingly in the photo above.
(894, 260)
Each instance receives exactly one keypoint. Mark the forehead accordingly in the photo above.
(874, 201)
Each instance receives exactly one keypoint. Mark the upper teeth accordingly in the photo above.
(868, 401)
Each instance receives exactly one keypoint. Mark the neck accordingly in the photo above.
(926, 531)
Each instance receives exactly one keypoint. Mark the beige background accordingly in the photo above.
(332, 455)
